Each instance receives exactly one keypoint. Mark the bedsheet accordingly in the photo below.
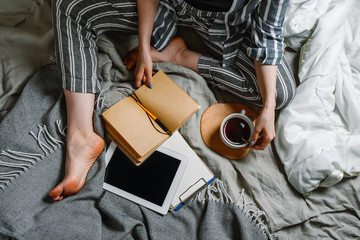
(318, 134)
(258, 181)
(26, 44)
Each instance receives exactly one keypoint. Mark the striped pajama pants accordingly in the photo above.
(77, 23)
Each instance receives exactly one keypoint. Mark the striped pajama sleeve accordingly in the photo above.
(266, 27)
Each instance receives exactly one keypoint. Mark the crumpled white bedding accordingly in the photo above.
(318, 134)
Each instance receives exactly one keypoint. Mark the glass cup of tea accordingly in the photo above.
(236, 130)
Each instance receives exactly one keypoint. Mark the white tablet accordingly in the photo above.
(152, 184)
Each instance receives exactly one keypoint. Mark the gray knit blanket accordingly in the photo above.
(32, 157)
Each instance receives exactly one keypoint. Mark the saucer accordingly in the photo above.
(210, 128)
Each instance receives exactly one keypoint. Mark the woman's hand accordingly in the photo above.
(143, 63)
(146, 14)
(143, 69)
(264, 131)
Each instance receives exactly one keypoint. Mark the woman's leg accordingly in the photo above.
(240, 79)
(83, 144)
(76, 26)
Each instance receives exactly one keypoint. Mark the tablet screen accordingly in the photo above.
(150, 181)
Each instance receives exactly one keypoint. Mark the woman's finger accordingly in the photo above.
(139, 76)
(143, 80)
(149, 79)
(262, 143)
(255, 137)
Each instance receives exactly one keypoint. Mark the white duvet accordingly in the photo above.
(318, 134)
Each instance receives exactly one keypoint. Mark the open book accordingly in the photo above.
(135, 131)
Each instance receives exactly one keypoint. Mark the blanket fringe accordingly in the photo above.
(19, 162)
(216, 191)
(62, 131)
(50, 144)
(100, 102)
(5, 178)
(256, 215)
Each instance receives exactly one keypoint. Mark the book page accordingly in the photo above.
(132, 123)
(167, 101)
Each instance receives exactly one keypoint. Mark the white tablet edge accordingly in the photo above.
(173, 187)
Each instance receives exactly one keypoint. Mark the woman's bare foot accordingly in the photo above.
(82, 151)
(172, 53)
(176, 53)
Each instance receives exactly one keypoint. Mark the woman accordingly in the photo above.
(243, 39)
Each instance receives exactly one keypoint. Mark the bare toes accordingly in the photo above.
(57, 191)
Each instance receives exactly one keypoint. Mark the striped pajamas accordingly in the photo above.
(230, 66)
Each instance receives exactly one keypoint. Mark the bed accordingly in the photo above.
(282, 191)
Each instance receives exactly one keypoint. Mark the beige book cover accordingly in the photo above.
(125, 147)
(132, 127)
